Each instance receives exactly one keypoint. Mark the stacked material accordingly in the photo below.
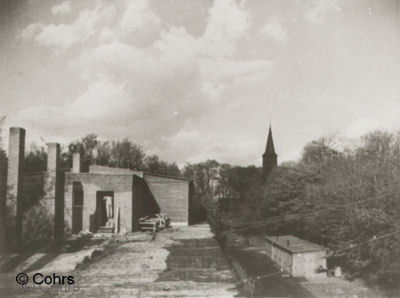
(154, 223)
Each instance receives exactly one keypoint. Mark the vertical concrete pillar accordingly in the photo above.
(76, 163)
(3, 193)
(54, 198)
(16, 153)
(53, 156)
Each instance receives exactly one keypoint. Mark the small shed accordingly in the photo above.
(297, 256)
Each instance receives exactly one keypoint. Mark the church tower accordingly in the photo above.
(270, 159)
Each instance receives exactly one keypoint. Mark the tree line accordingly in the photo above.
(121, 154)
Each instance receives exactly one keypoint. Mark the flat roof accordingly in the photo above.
(167, 176)
(294, 244)
(97, 169)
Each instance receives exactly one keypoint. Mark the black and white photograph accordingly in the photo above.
(200, 148)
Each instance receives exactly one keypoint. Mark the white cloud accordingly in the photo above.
(211, 145)
(61, 9)
(320, 9)
(109, 98)
(275, 30)
(294, 155)
(150, 92)
(236, 68)
(103, 19)
(227, 22)
(163, 70)
(63, 36)
(362, 126)
(222, 73)
(107, 35)
(31, 30)
(138, 15)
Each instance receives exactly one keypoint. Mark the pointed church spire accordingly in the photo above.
(270, 142)
(270, 158)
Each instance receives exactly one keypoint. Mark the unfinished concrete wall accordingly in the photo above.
(121, 185)
(172, 195)
(53, 156)
(53, 198)
(15, 186)
(76, 163)
(143, 200)
(3, 193)
(197, 213)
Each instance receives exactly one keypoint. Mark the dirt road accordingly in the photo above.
(176, 262)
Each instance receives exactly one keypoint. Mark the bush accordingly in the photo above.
(37, 225)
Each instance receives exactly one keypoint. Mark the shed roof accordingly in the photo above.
(294, 244)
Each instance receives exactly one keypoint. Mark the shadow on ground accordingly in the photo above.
(272, 283)
(200, 261)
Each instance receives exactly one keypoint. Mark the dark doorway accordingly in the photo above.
(77, 207)
(104, 209)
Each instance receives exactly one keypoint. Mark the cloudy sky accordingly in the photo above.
(192, 79)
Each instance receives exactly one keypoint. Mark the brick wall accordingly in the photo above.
(172, 195)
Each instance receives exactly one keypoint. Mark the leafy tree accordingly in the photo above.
(223, 189)
(35, 160)
(173, 169)
(204, 176)
(123, 154)
(153, 164)
(87, 147)
(126, 154)
(104, 153)
(241, 178)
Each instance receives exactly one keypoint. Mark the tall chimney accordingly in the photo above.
(16, 153)
(76, 163)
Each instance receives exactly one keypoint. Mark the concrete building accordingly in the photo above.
(296, 256)
(103, 199)
(132, 194)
